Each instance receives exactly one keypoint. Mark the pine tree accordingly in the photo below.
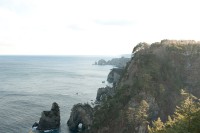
(186, 118)
(142, 111)
(158, 125)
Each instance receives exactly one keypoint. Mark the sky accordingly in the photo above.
(93, 27)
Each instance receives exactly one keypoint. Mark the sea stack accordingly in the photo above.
(50, 119)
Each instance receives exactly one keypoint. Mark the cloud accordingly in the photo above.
(5, 44)
(21, 7)
(75, 27)
(92, 27)
(114, 22)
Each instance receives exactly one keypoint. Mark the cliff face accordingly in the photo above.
(150, 86)
(114, 75)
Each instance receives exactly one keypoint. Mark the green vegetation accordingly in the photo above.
(186, 118)
(150, 91)
(109, 109)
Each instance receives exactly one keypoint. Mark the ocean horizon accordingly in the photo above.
(30, 84)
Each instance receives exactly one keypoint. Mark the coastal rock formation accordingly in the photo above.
(80, 114)
(101, 62)
(104, 92)
(108, 91)
(117, 62)
(114, 75)
(150, 88)
(50, 119)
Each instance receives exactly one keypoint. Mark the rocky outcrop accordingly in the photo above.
(80, 114)
(50, 119)
(103, 93)
(114, 75)
(117, 62)
(101, 62)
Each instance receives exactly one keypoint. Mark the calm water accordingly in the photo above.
(30, 84)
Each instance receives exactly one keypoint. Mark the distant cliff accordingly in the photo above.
(117, 62)
(151, 88)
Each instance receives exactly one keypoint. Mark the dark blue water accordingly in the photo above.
(30, 84)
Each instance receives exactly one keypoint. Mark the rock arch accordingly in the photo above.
(80, 114)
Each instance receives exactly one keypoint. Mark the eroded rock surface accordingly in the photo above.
(80, 114)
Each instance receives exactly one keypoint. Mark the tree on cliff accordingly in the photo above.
(186, 118)
(139, 47)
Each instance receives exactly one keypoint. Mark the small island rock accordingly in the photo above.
(101, 62)
(50, 119)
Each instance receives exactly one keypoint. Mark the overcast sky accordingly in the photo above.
(93, 27)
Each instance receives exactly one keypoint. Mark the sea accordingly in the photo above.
(30, 84)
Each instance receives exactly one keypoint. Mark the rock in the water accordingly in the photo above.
(81, 114)
(35, 124)
(50, 119)
(101, 62)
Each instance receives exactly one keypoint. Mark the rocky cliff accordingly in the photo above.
(115, 75)
(150, 87)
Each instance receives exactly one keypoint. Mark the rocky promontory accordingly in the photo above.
(157, 92)
(104, 92)
(117, 62)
